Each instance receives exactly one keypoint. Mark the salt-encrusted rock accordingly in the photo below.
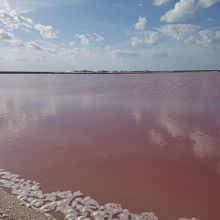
(71, 216)
(37, 203)
(135, 217)
(123, 216)
(35, 187)
(188, 218)
(48, 207)
(149, 216)
(77, 194)
(65, 194)
(72, 205)
(51, 197)
(81, 218)
(30, 199)
(98, 215)
(89, 201)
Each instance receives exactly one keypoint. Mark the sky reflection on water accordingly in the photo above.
(166, 126)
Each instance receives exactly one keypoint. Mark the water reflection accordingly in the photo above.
(193, 121)
(174, 125)
(146, 136)
(191, 124)
(157, 138)
(204, 146)
(137, 113)
(18, 110)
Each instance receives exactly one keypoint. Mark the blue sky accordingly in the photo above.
(65, 35)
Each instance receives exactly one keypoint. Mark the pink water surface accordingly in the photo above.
(148, 142)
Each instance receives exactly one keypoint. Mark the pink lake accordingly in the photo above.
(148, 142)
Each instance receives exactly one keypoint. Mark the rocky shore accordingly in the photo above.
(12, 208)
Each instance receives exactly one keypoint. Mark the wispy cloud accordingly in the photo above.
(191, 34)
(86, 39)
(5, 35)
(146, 38)
(126, 54)
(4, 5)
(12, 20)
(160, 2)
(28, 6)
(185, 9)
(46, 32)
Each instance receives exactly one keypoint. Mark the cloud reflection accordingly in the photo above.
(180, 120)
(157, 138)
(204, 145)
(174, 126)
(137, 114)
(16, 115)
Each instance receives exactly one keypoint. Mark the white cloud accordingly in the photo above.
(140, 25)
(209, 19)
(126, 54)
(185, 9)
(205, 38)
(80, 52)
(179, 31)
(12, 20)
(85, 39)
(5, 35)
(27, 5)
(33, 45)
(4, 5)
(135, 41)
(160, 2)
(151, 38)
(148, 38)
(99, 37)
(191, 34)
(46, 32)
(9, 37)
(108, 47)
(207, 3)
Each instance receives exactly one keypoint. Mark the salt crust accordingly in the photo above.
(73, 205)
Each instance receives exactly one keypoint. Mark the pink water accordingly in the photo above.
(148, 142)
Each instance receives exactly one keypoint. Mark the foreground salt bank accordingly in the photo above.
(33, 203)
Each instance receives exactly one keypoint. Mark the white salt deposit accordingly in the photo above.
(73, 205)
(188, 219)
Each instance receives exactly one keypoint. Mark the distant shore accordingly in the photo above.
(105, 72)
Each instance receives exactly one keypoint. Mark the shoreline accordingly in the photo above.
(12, 208)
(70, 205)
(23, 200)
(103, 72)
